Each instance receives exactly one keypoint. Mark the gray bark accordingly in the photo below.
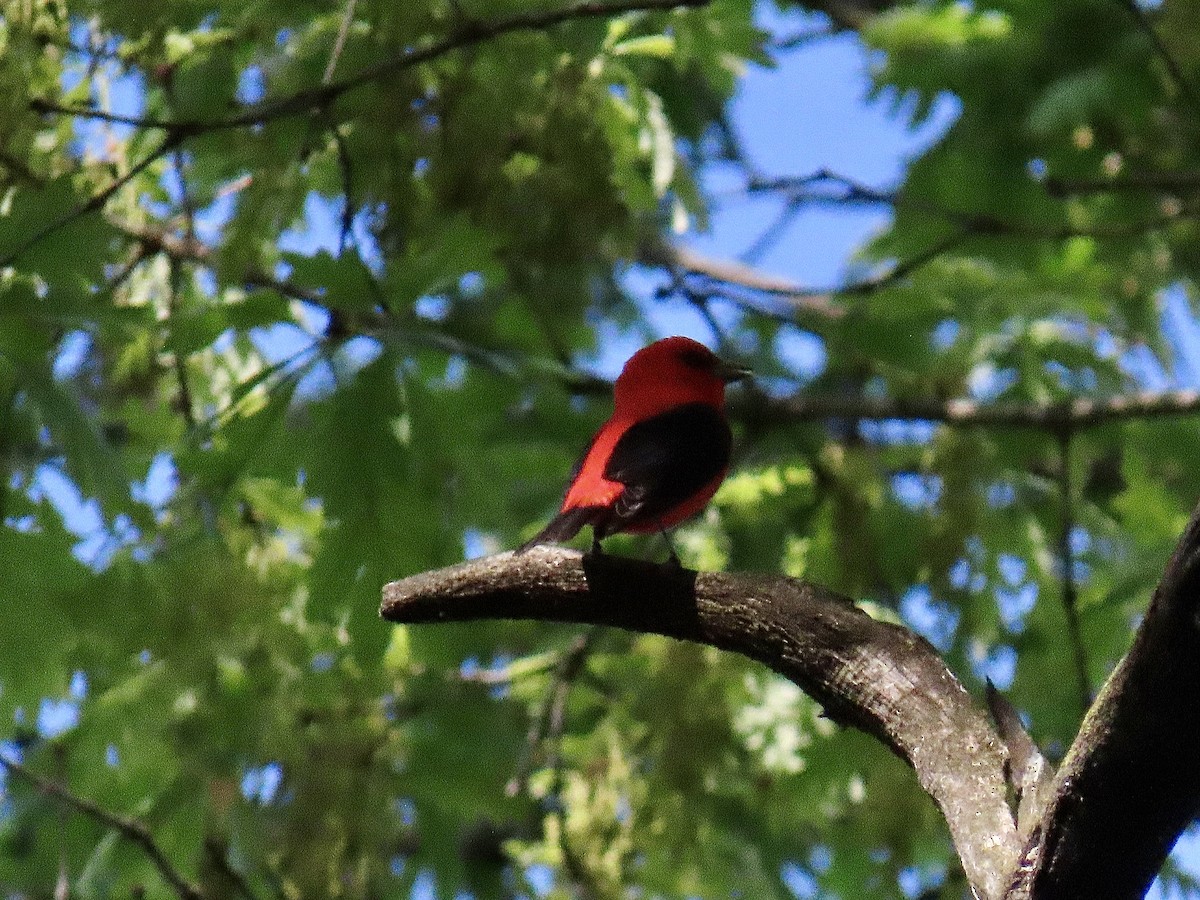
(1101, 827)
(1131, 781)
(872, 675)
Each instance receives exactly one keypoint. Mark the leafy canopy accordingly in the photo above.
(298, 298)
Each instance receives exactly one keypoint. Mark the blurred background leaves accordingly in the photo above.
(259, 356)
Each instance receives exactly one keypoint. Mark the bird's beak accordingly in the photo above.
(728, 372)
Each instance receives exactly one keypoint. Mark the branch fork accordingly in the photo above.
(1100, 827)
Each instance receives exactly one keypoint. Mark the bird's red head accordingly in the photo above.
(671, 372)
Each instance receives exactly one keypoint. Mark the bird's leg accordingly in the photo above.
(596, 550)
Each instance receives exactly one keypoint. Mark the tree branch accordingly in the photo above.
(320, 96)
(130, 829)
(1070, 415)
(826, 187)
(1129, 784)
(339, 42)
(681, 261)
(1131, 183)
(872, 675)
(95, 202)
(799, 302)
(1173, 68)
(1070, 590)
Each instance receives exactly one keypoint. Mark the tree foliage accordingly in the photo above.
(221, 430)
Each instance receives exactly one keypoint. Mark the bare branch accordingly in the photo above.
(1129, 784)
(682, 261)
(798, 302)
(1077, 414)
(869, 674)
(130, 829)
(826, 187)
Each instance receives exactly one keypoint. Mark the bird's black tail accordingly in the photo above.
(564, 526)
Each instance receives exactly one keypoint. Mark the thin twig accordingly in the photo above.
(114, 283)
(1077, 414)
(180, 359)
(339, 42)
(50, 107)
(96, 201)
(130, 829)
(19, 168)
(219, 857)
(554, 724)
(550, 723)
(802, 38)
(345, 168)
(1070, 590)
(1173, 67)
(6, 427)
(1133, 182)
(700, 303)
(186, 203)
(905, 267)
(157, 240)
(827, 187)
(773, 233)
(569, 670)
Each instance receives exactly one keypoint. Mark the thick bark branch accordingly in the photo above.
(1130, 782)
(875, 676)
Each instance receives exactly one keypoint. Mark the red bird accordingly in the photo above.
(661, 456)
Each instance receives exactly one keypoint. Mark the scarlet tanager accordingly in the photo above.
(662, 454)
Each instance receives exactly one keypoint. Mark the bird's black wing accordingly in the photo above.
(665, 459)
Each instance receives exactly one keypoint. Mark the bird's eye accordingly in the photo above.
(696, 359)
